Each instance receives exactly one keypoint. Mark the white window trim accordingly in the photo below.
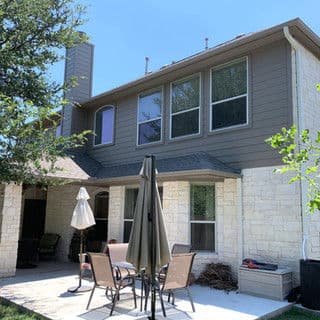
(153, 119)
(211, 104)
(94, 126)
(205, 221)
(188, 110)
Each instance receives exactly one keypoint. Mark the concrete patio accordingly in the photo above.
(44, 290)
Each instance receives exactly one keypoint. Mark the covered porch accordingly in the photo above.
(113, 192)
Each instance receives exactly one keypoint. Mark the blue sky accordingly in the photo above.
(124, 32)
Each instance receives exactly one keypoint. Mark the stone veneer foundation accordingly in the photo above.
(271, 218)
(10, 209)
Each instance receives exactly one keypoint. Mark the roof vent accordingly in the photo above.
(206, 40)
(146, 66)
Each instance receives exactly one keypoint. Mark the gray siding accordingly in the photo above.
(269, 89)
(79, 62)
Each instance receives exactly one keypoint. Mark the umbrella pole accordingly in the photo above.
(80, 257)
(152, 242)
(80, 287)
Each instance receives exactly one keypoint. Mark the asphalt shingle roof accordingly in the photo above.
(195, 161)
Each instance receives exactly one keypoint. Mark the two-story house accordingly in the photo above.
(205, 118)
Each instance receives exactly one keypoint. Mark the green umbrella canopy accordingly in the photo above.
(139, 253)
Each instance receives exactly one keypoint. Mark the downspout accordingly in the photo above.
(240, 219)
(298, 119)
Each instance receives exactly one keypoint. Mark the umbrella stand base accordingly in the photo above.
(79, 289)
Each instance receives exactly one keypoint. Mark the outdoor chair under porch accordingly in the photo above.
(176, 278)
(105, 278)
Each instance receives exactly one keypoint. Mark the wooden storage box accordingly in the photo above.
(265, 283)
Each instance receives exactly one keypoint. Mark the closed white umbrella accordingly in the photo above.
(82, 218)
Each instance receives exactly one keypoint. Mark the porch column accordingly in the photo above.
(176, 211)
(116, 211)
(10, 213)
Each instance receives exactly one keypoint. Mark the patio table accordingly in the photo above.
(124, 264)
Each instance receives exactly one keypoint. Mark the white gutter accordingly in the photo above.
(240, 219)
(298, 119)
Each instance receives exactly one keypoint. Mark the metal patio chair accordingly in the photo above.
(180, 248)
(177, 248)
(118, 253)
(177, 277)
(104, 278)
(48, 245)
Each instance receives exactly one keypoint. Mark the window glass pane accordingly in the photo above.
(229, 113)
(107, 125)
(149, 132)
(126, 231)
(150, 106)
(203, 236)
(97, 138)
(229, 82)
(104, 125)
(185, 95)
(202, 202)
(130, 202)
(101, 205)
(185, 123)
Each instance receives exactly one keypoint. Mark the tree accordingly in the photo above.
(301, 155)
(32, 35)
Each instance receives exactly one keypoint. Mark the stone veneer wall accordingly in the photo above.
(310, 115)
(176, 210)
(10, 205)
(227, 224)
(116, 212)
(60, 204)
(272, 218)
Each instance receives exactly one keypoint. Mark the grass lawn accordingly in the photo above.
(296, 314)
(10, 312)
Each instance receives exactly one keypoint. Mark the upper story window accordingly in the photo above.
(104, 125)
(149, 117)
(229, 95)
(185, 107)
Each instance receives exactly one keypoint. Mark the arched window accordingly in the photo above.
(104, 125)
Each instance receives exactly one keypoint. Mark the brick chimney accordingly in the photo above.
(79, 63)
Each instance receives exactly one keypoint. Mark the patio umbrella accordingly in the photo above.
(82, 218)
(148, 245)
